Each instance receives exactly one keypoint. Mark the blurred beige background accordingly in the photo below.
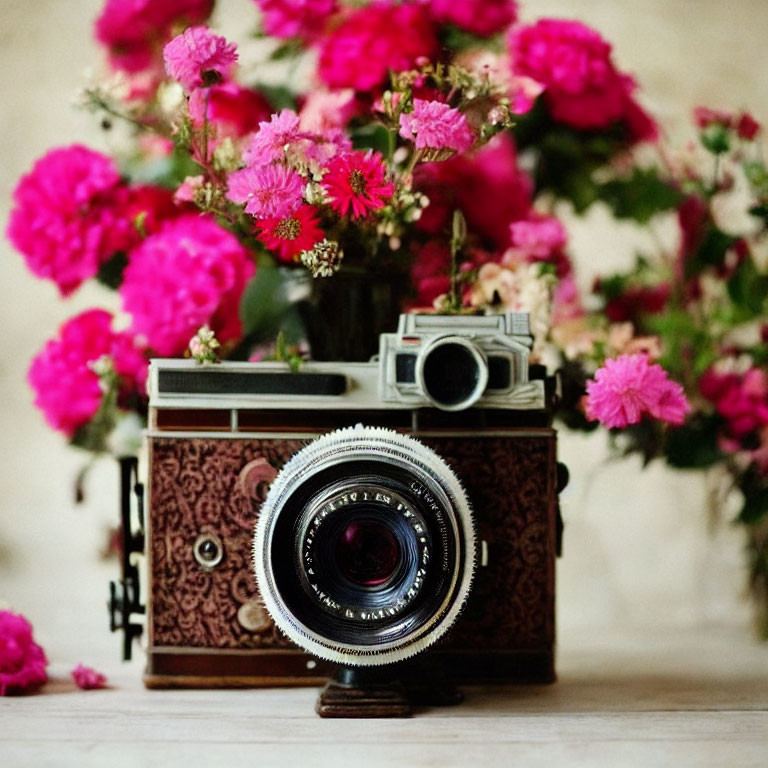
(637, 551)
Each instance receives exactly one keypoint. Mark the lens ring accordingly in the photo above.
(337, 509)
(438, 489)
(452, 372)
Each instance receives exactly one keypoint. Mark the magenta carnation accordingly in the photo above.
(22, 660)
(627, 388)
(66, 387)
(583, 89)
(269, 191)
(356, 183)
(88, 678)
(434, 125)
(741, 399)
(191, 273)
(199, 57)
(295, 18)
(374, 40)
(65, 221)
(268, 144)
(480, 17)
(134, 30)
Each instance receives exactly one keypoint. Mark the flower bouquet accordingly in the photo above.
(413, 154)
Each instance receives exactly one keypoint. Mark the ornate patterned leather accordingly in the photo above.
(194, 490)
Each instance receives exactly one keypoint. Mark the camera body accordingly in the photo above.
(219, 435)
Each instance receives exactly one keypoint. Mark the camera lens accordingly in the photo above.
(367, 553)
(364, 549)
(453, 373)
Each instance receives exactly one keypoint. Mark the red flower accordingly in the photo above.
(356, 183)
(747, 127)
(291, 235)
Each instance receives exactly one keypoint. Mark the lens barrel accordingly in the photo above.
(364, 550)
(452, 372)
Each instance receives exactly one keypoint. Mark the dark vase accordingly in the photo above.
(344, 314)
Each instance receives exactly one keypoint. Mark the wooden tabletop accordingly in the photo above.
(661, 697)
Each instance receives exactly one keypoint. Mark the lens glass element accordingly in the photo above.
(367, 553)
(451, 375)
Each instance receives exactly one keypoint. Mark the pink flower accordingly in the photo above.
(741, 399)
(480, 17)
(523, 93)
(704, 117)
(267, 191)
(627, 388)
(133, 30)
(88, 678)
(268, 144)
(234, 110)
(291, 235)
(22, 661)
(573, 63)
(356, 183)
(538, 237)
(433, 125)
(189, 274)
(295, 18)
(197, 58)
(430, 272)
(374, 40)
(67, 389)
(65, 221)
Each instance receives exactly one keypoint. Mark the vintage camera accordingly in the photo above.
(353, 513)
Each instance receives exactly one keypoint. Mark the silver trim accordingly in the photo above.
(381, 444)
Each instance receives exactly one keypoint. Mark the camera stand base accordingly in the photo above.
(353, 693)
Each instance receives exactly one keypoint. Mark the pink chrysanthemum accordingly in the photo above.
(66, 387)
(88, 678)
(269, 191)
(199, 57)
(434, 125)
(22, 660)
(191, 273)
(627, 388)
(65, 221)
(374, 40)
(295, 18)
(268, 144)
(356, 183)
(480, 17)
(291, 235)
(133, 30)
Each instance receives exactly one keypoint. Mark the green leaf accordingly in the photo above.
(641, 196)
(711, 251)
(290, 49)
(694, 444)
(111, 271)
(716, 139)
(278, 96)
(372, 136)
(748, 289)
(265, 308)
